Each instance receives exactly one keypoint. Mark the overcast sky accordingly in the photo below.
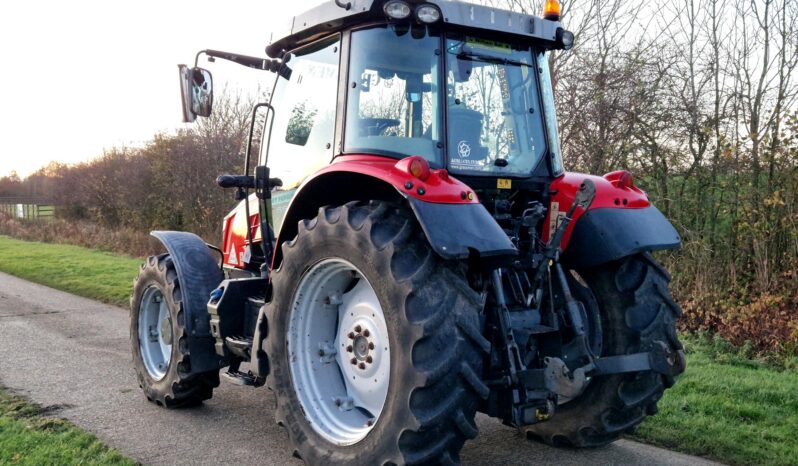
(80, 76)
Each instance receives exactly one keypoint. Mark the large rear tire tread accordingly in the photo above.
(435, 385)
(638, 313)
(179, 388)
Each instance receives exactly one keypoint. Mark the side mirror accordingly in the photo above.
(196, 89)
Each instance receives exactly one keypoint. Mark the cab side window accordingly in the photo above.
(304, 114)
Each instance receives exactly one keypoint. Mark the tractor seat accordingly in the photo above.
(465, 125)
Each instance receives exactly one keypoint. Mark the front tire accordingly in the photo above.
(637, 313)
(434, 350)
(158, 339)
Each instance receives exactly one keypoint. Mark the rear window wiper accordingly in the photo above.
(490, 59)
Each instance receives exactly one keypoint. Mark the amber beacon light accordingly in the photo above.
(551, 10)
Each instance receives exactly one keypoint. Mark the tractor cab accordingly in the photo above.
(463, 86)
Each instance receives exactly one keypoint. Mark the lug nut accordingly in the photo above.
(354, 361)
(349, 349)
(351, 335)
(369, 359)
(371, 345)
(366, 333)
(358, 328)
(361, 365)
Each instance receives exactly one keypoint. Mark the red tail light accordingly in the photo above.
(621, 179)
(416, 166)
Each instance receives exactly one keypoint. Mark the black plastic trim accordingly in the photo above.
(605, 235)
(456, 231)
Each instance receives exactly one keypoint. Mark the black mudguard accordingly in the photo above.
(604, 235)
(456, 231)
(198, 274)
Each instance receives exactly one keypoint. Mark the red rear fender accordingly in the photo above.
(610, 193)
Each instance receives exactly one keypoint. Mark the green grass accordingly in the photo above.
(93, 274)
(726, 406)
(28, 438)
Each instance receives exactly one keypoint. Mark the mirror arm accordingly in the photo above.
(264, 64)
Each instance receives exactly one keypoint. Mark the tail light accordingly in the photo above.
(419, 168)
(621, 179)
(415, 166)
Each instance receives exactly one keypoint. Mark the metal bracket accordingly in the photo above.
(563, 382)
(584, 197)
(661, 360)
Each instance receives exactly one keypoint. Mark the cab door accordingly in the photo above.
(299, 135)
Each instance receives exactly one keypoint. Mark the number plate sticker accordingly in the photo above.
(504, 184)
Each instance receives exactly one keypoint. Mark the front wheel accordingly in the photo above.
(373, 342)
(158, 338)
(637, 313)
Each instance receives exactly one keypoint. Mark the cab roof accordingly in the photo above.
(329, 18)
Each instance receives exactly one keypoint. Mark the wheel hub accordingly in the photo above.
(166, 331)
(362, 345)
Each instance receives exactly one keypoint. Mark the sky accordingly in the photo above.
(82, 76)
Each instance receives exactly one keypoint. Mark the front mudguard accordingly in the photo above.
(198, 274)
(607, 234)
(460, 231)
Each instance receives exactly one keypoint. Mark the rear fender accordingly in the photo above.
(620, 222)
(198, 274)
(457, 226)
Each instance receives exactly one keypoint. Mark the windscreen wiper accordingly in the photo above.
(490, 59)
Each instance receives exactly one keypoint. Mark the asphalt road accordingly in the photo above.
(72, 355)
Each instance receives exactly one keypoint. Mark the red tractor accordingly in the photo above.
(412, 251)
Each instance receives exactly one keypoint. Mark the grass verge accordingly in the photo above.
(28, 438)
(85, 272)
(726, 406)
(729, 407)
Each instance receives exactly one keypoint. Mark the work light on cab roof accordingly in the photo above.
(428, 14)
(397, 10)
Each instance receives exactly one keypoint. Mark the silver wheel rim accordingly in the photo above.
(155, 333)
(339, 351)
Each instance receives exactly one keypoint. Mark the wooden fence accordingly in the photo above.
(26, 208)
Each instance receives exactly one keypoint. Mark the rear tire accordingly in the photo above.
(164, 370)
(637, 312)
(436, 349)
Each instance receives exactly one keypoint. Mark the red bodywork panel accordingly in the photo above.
(437, 188)
(611, 193)
(234, 229)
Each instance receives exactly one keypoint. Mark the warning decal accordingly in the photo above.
(232, 256)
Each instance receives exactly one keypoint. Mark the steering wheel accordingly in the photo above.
(377, 126)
